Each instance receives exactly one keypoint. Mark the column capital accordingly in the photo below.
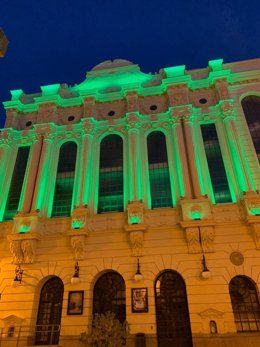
(88, 126)
(178, 113)
(6, 137)
(133, 121)
(227, 109)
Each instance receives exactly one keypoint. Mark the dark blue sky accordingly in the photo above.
(57, 41)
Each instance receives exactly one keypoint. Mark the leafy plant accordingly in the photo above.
(106, 331)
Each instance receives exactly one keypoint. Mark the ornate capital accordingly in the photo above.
(227, 108)
(181, 112)
(6, 137)
(78, 232)
(88, 126)
(133, 121)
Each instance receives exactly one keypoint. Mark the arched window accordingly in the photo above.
(109, 295)
(17, 181)
(49, 312)
(110, 195)
(64, 180)
(245, 304)
(216, 166)
(160, 186)
(251, 108)
(172, 313)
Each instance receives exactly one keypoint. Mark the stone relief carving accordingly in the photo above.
(78, 246)
(29, 249)
(256, 233)
(16, 250)
(193, 239)
(227, 108)
(137, 241)
(23, 251)
(207, 235)
(211, 313)
(135, 212)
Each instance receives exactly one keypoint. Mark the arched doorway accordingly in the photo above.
(109, 295)
(49, 312)
(172, 313)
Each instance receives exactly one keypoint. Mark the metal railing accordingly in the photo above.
(19, 336)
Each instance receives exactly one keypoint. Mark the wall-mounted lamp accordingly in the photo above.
(18, 276)
(75, 278)
(138, 276)
(205, 273)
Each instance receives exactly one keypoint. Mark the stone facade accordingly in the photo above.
(117, 98)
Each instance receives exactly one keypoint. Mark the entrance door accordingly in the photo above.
(49, 313)
(172, 314)
(109, 295)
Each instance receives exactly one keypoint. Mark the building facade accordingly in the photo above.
(138, 194)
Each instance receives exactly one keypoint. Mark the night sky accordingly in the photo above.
(57, 41)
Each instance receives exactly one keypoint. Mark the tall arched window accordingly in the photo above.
(17, 181)
(49, 312)
(172, 312)
(64, 180)
(111, 192)
(251, 108)
(245, 303)
(160, 187)
(216, 166)
(109, 295)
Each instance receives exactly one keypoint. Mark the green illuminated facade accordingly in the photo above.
(128, 165)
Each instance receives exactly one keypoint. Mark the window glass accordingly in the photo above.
(110, 196)
(160, 187)
(251, 107)
(16, 186)
(64, 180)
(215, 164)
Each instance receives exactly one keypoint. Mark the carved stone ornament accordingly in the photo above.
(255, 227)
(23, 247)
(136, 238)
(227, 108)
(222, 89)
(137, 242)
(135, 212)
(78, 246)
(211, 313)
(207, 235)
(193, 239)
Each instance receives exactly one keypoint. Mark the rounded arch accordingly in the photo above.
(49, 312)
(172, 312)
(114, 133)
(109, 295)
(245, 303)
(251, 108)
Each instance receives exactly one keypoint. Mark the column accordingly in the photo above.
(32, 172)
(242, 172)
(87, 164)
(177, 146)
(134, 158)
(7, 161)
(40, 195)
(191, 154)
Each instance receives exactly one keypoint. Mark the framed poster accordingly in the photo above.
(75, 302)
(139, 300)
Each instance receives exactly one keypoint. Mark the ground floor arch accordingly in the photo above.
(172, 313)
(49, 312)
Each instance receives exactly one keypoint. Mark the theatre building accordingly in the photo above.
(138, 194)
